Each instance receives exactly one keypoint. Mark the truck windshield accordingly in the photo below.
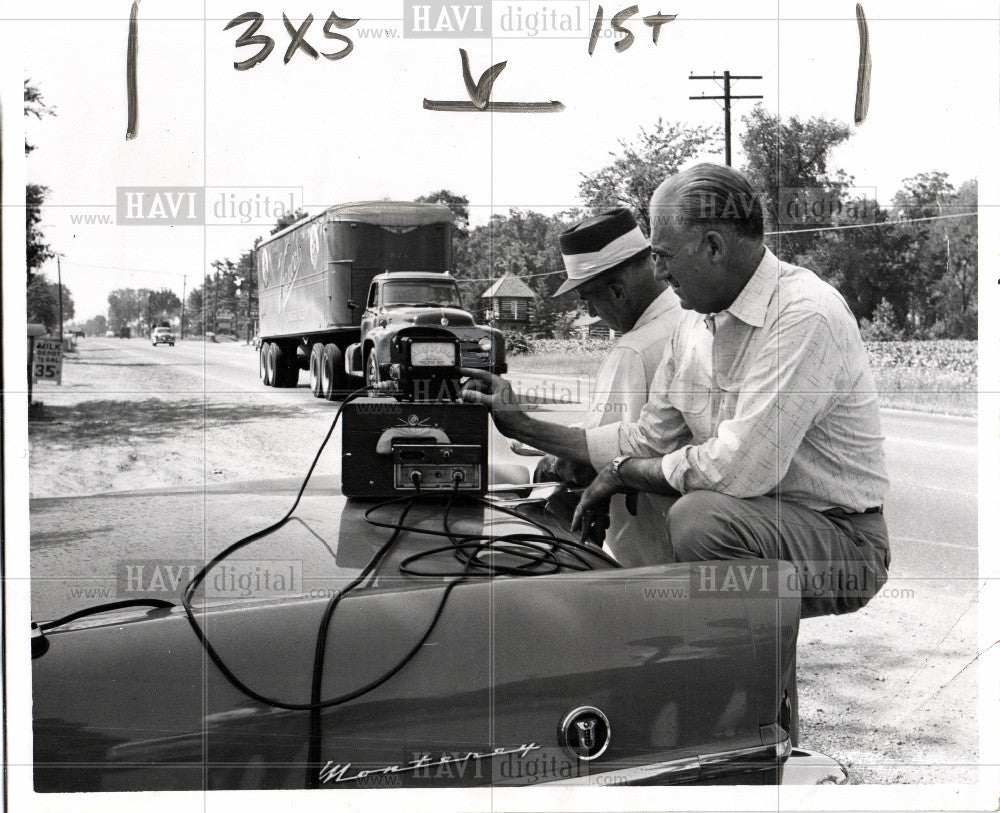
(421, 292)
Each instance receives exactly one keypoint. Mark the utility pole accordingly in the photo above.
(59, 280)
(726, 98)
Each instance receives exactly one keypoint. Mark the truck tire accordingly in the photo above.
(286, 367)
(332, 375)
(267, 363)
(372, 376)
(315, 362)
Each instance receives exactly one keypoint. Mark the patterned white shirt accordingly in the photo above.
(772, 396)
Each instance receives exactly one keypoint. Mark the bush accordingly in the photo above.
(956, 326)
(517, 343)
(882, 326)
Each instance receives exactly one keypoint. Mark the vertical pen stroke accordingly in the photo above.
(864, 69)
(131, 71)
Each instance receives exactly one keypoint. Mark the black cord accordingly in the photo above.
(156, 603)
(535, 549)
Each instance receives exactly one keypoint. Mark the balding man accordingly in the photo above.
(762, 419)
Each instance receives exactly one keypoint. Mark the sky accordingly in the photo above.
(330, 131)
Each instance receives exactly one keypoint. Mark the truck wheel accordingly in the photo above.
(332, 377)
(315, 362)
(267, 364)
(286, 367)
(372, 377)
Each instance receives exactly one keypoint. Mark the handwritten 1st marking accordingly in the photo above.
(654, 21)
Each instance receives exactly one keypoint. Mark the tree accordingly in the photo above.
(195, 307)
(38, 251)
(35, 106)
(288, 218)
(123, 308)
(923, 194)
(459, 205)
(526, 244)
(43, 303)
(96, 326)
(793, 155)
(942, 254)
(157, 306)
(882, 327)
(643, 164)
(246, 292)
(866, 265)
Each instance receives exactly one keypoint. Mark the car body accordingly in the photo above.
(603, 677)
(162, 335)
(109, 334)
(405, 299)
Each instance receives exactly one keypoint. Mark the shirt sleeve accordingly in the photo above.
(620, 388)
(659, 429)
(793, 381)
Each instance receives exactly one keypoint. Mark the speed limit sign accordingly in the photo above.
(47, 364)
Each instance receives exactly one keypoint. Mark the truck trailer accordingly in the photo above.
(334, 287)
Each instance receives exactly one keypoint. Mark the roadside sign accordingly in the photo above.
(48, 360)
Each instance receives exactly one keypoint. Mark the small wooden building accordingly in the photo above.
(508, 303)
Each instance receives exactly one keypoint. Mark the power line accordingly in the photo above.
(869, 225)
(766, 234)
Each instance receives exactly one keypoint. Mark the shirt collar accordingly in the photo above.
(750, 306)
(664, 302)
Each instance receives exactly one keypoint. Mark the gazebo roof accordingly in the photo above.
(509, 285)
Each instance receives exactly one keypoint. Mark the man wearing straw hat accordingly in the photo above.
(608, 265)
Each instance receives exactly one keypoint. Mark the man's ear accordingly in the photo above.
(716, 245)
(617, 289)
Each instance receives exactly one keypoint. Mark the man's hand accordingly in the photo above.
(591, 519)
(554, 469)
(512, 419)
(496, 393)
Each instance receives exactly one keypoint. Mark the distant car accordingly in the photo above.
(110, 334)
(162, 335)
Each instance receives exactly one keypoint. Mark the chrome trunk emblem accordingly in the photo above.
(585, 732)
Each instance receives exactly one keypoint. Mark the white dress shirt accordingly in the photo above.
(772, 396)
(620, 390)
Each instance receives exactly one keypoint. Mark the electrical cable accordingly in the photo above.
(476, 554)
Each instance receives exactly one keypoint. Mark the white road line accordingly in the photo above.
(908, 540)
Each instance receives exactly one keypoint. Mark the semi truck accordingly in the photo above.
(335, 287)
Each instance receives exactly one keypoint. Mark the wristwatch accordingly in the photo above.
(616, 466)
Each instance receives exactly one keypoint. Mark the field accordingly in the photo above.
(925, 376)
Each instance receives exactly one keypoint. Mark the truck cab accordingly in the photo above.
(402, 299)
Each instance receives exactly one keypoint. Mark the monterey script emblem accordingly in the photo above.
(585, 732)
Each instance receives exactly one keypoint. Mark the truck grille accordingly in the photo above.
(472, 356)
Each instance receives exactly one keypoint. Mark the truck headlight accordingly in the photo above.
(486, 344)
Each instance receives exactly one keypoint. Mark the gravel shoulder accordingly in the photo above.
(891, 691)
